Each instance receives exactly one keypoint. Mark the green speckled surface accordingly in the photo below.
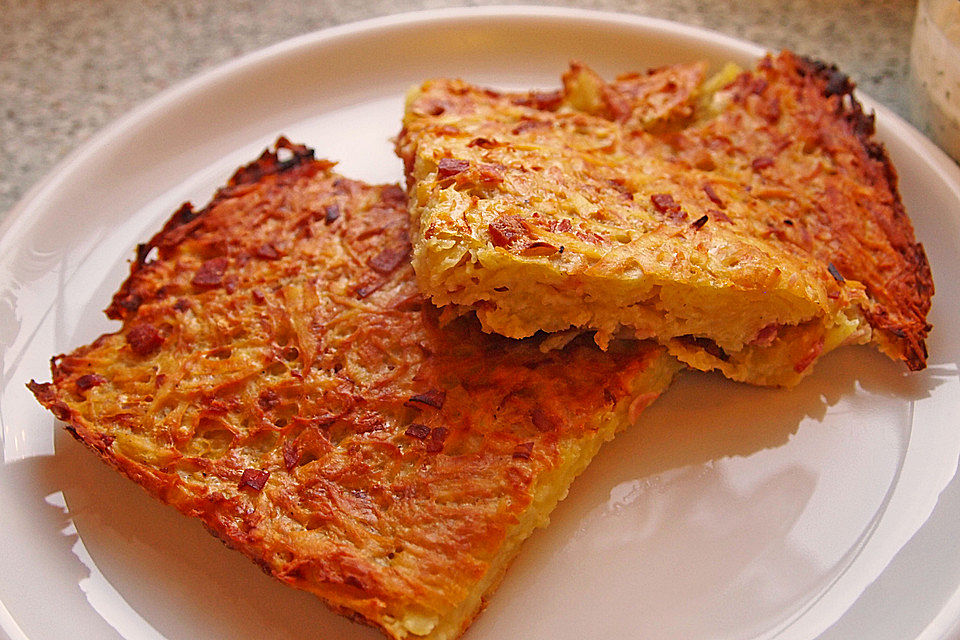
(68, 68)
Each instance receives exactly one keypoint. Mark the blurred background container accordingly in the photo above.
(935, 72)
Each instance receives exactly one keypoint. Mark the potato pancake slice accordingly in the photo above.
(749, 221)
(279, 377)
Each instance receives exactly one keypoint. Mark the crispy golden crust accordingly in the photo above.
(850, 213)
(751, 226)
(279, 377)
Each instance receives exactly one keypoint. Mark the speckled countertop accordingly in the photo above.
(68, 68)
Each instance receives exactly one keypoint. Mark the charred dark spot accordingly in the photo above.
(269, 162)
(665, 204)
(418, 431)
(365, 290)
(185, 213)
(835, 273)
(506, 230)
(210, 273)
(291, 457)
(448, 130)
(699, 222)
(490, 174)
(539, 248)
(543, 421)
(42, 391)
(528, 124)
(864, 124)
(876, 151)
(773, 112)
(131, 302)
(144, 339)
(389, 259)
(708, 345)
(255, 479)
(90, 380)
(540, 100)
(62, 412)
(712, 194)
(523, 451)
(761, 162)
(331, 213)
(412, 302)
(393, 195)
(432, 398)
(267, 251)
(438, 436)
(621, 186)
(719, 216)
(448, 167)
(143, 251)
(837, 83)
(483, 143)
(268, 399)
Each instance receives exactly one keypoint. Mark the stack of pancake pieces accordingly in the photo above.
(378, 393)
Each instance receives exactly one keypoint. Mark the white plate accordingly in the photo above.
(730, 512)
